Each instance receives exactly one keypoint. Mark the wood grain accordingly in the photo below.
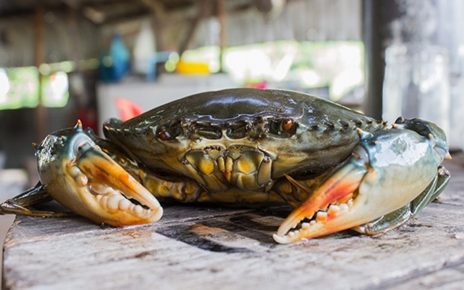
(215, 248)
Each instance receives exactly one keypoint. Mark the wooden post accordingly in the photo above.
(73, 29)
(221, 15)
(377, 16)
(41, 114)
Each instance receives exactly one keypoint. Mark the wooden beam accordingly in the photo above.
(156, 7)
(129, 16)
(41, 114)
(192, 28)
(221, 15)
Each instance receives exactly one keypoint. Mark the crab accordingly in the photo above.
(337, 168)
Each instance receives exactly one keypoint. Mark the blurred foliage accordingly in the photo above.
(338, 65)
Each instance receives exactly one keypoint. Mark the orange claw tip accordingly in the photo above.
(78, 125)
(448, 156)
(339, 187)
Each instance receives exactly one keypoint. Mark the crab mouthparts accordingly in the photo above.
(323, 212)
(114, 196)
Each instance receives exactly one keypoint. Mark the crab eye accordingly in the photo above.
(286, 125)
(162, 134)
(282, 127)
(169, 131)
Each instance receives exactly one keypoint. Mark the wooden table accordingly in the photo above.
(214, 248)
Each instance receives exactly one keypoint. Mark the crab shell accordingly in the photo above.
(236, 141)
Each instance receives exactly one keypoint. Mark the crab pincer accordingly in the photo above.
(83, 178)
(379, 187)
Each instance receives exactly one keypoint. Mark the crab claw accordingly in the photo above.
(80, 176)
(387, 171)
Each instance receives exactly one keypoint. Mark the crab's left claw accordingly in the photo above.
(387, 171)
(80, 176)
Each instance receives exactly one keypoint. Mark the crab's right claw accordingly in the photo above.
(80, 176)
(387, 172)
(316, 216)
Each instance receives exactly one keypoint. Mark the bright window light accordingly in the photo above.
(19, 88)
(4, 86)
(336, 66)
(55, 89)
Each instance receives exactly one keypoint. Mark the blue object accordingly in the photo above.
(115, 65)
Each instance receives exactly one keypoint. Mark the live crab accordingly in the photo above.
(339, 169)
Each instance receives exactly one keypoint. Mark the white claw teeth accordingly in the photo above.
(305, 225)
(321, 217)
(113, 202)
(102, 189)
(344, 207)
(124, 204)
(105, 190)
(81, 180)
(109, 191)
(350, 203)
(78, 176)
(313, 222)
(138, 210)
(291, 234)
(74, 171)
(333, 209)
(104, 201)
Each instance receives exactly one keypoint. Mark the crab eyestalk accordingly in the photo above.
(80, 176)
(386, 172)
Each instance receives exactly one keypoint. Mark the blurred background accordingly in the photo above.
(63, 60)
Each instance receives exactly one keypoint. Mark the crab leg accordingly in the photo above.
(435, 188)
(386, 172)
(21, 204)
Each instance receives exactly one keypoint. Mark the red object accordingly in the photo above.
(88, 117)
(127, 109)
(259, 85)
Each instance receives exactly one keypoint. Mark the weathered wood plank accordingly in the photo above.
(200, 248)
(449, 277)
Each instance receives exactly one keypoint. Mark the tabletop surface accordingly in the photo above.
(215, 248)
